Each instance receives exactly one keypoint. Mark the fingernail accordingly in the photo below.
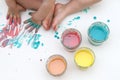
(55, 28)
(19, 21)
(45, 27)
(7, 17)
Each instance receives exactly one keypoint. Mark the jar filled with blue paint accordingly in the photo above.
(98, 33)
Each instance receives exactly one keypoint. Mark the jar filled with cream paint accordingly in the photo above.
(98, 33)
(71, 39)
(84, 58)
(56, 65)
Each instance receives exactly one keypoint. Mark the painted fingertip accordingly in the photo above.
(26, 27)
(30, 30)
(25, 22)
(36, 31)
(55, 28)
(10, 21)
(7, 17)
(45, 26)
(15, 22)
(19, 21)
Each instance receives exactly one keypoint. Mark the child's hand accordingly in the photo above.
(39, 16)
(14, 10)
(33, 23)
(14, 15)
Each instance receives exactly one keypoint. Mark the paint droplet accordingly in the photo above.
(40, 59)
(77, 18)
(69, 24)
(108, 20)
(36, 44)
(42, 44)
(9, 54)
(56, 32)
(94, 17)
(56, 35)
(58, 38)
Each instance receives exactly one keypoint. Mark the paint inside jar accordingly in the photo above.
(98, 33)
(71, 38)
(84, 57)
(56, 65)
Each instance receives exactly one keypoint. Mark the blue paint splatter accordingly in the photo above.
(74, 19)
(69, 23)
(35, 45)
(108, 20)
(56, 35)
(15, 42)
(36, 42)
(30, 38)
(94, 17)
(19, 45)
(42, 44)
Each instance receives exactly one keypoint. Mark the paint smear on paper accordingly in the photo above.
(71, 22)
(14, 36)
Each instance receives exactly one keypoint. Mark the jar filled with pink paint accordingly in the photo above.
(71, 39)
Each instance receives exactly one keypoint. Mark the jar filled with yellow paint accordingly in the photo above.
(84, 57)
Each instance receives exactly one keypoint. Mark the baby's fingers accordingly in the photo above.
(28, 26)
(18, 19)
(36, 30)
(10, 19)
(15, 20)
(31, 29)
(32, 25)
(27, 21)
(8, 15)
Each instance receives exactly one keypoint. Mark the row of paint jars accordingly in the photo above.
(84, 57)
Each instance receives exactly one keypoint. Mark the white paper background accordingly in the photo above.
(24, 63)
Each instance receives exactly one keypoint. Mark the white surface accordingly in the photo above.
(24, 63)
